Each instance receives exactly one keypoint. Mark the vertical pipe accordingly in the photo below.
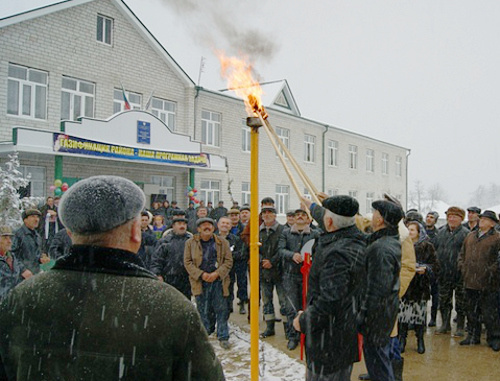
(254, 254)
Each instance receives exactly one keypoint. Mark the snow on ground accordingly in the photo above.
(274, 364)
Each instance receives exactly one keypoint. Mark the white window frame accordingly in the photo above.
(245, 193)
(105, 30)
(333, 153)
(135, 100)
(309, 148)
(306, 194)
(385, 163)
(164, 110)
(210, 191)
(29, 90)
(77, 97)
(210, 128)
(353, 156)
(399, 166)
(246, 134)
(284, 136)
(282, 199)
(353, 194)
(333, 192)
(370, 160)
(37, 179)
(369, 200)
(166, 183)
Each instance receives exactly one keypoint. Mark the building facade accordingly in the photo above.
(65, 69)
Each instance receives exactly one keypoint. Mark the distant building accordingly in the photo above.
(62, 107)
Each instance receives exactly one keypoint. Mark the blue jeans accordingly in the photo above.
(377, 360)
(212, 306)
(267, 288)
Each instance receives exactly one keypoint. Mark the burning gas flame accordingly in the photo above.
(238, 73)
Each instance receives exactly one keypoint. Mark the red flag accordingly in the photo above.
(125, 100)
(306, 267)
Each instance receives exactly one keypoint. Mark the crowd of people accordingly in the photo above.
(369, 283)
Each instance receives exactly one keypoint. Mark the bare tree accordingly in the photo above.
(417, 195)
(434, 194)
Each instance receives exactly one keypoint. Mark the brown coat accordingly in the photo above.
(193, 256)
(478, 261)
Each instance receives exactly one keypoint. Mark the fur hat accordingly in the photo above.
(99, 204)
(457, 211)
(390, 211)
(5, 230)
(434, 214)
(342, 205)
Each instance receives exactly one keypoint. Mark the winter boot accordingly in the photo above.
(286, 329)
(269, 330)
(445, 325)
(460, 326)
(419, 331)
(292, 343)
(397, 369)
(432, 323)
(471, 340)
(403, 334)
(364, 377)
(243, 310)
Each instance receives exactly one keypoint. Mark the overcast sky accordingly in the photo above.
(423, 74)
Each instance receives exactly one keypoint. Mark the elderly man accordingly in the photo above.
(208, 261)
(97, 314)
(335, 282)
(380, 304)
(167, 261)
(27, 242)
(478, 263)
(448, 244)
(291, 242)
(10, 268)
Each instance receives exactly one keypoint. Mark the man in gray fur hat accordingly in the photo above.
(98, 314)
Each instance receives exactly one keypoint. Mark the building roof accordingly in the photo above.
(122, 7)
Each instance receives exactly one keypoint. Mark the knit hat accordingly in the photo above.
(457, 211)
(342, 205)
(99, 204)
(390, 212)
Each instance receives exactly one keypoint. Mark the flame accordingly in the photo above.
(238, 73)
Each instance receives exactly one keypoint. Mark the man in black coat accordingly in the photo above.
(27, 242)
(98, 314)
(335, 283)
(60, 245)
(218, 212)
(167, 261)
(380, 304)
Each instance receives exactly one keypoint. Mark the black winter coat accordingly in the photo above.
(419, 288)
(236, 246)
(9, 278)
(27, 248)
(448, 245)
(148, 246)
(335, 283)
(168, 257)
(269, 250)
(291, 242)
(97, 314)
(61, 245)
(380, 305)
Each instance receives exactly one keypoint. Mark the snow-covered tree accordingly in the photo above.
(11, 180)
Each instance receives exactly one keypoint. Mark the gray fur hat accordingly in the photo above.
(99, 204)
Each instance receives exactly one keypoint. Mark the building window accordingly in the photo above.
(36, 186)
(210, 128)
(245, 193)
(399, 166)
(385, 163)
(27, 92)
(104, 29)
(333, 153)
(77, 99)
(369, 200)
(284, 135)
(245, 138)
(307, 194)
(166, 184)
(165, 110)
(353, 156)
(309, 154)
(210, 191)
(282, 198)
(134, 99)
(353, 193)
(333, 192)
(370, 160)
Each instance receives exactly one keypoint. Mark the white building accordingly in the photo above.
(62, 69)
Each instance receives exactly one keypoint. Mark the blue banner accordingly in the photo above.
(70, 144)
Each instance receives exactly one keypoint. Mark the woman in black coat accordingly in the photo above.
(413, 306)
